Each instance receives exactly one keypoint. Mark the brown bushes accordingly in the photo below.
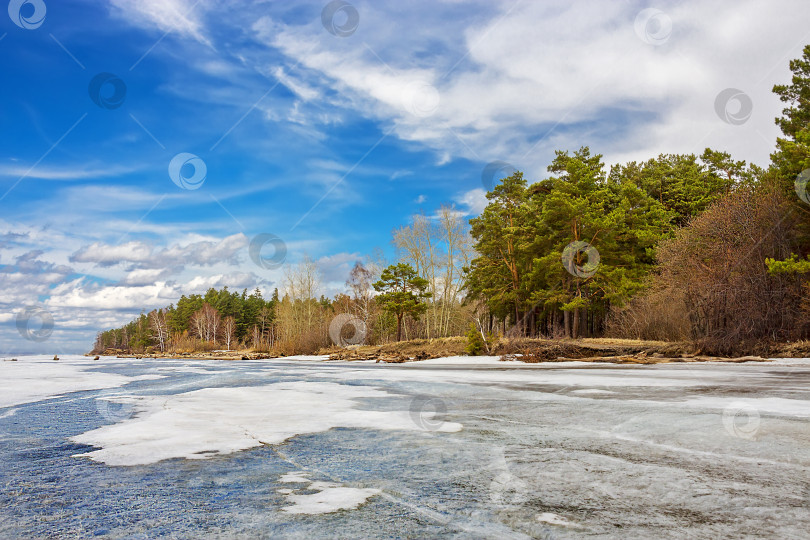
(713, 278)
(659, 314)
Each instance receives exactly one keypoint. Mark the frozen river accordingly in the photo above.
(312, 449)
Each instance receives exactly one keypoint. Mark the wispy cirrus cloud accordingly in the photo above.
(184, 17)
(64, 173)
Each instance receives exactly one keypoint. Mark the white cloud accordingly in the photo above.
(63, 173)
(78, 294)
(234, 280)
(180, 16)
(141, 255)
(146, 276)
(334, 269)
(108, 255)
(543, 76)
(473, 202)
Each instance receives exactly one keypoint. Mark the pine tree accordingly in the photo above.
(402, 292)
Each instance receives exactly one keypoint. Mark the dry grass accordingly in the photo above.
(424, 348)
(531, 350)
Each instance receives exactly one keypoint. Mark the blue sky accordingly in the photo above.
(327, 141)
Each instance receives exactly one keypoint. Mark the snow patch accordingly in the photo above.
(211, 421)
(554, 519)
(294, 477)
(329, 499)
(465, 360)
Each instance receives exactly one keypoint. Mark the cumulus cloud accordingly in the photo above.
(234, 280)
(472, 202)
(146, 276)
(143, 256)
(80, 294)
(109, 255)
(334, 269)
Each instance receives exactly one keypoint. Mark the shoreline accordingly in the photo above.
(524, 350)
(351, 356)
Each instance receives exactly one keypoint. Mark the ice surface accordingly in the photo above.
(525, 375)
(37, 378)
(203, 423)
(770, 405)
(547, 451)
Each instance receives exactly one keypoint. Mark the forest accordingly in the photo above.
(704, 248)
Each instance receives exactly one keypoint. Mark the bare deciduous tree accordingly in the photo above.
(228, 331)
(439, 247)
(205, 323)
(158, 323)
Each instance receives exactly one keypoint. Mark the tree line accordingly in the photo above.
(199, 322)
(681, 246)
